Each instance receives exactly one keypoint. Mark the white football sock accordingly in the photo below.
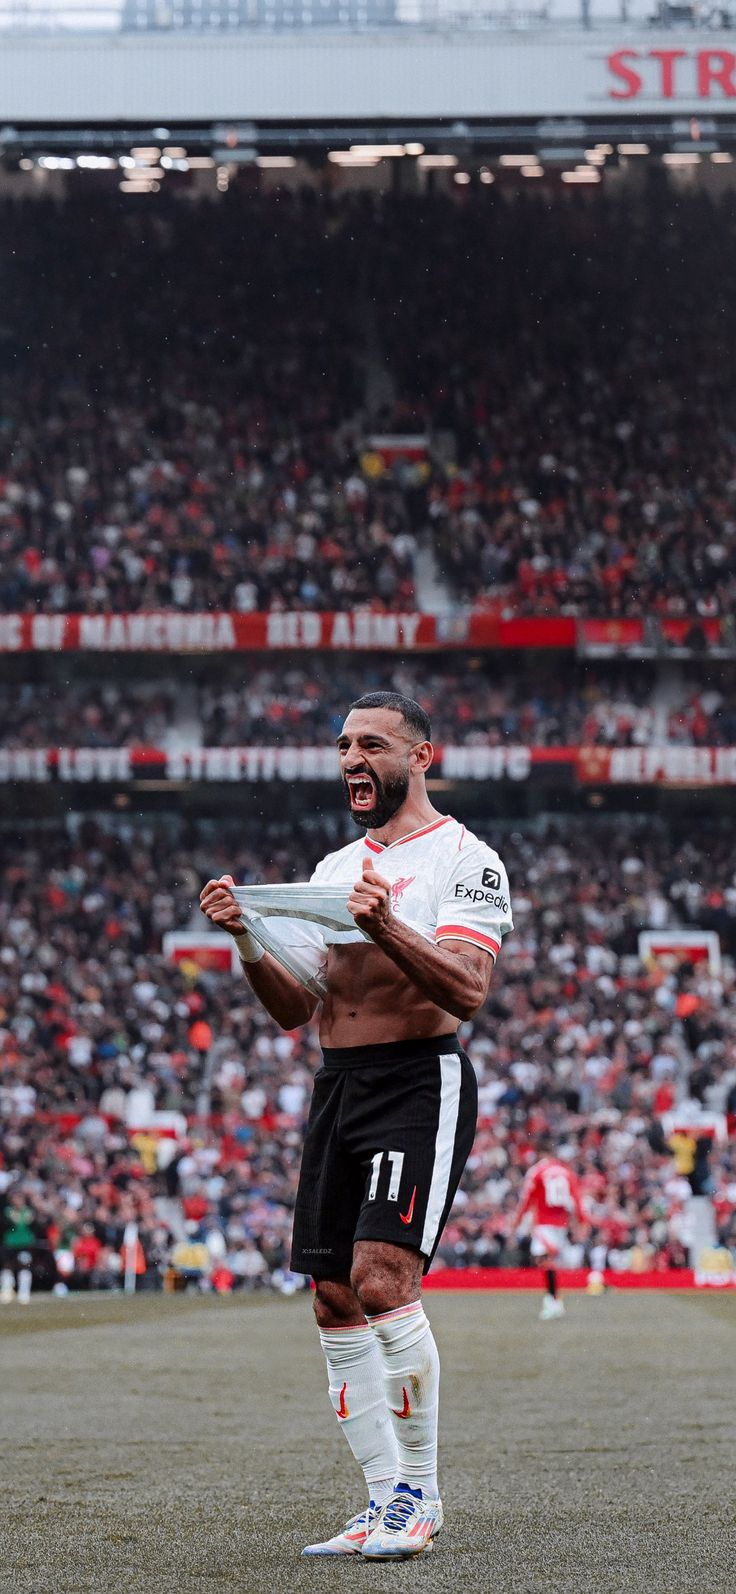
(358, 1396)
(411, 1370)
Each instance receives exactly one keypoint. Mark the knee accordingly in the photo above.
(335, 1305)
(382, 1282)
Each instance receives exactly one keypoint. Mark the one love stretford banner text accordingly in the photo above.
(592, 766)
(166, 631)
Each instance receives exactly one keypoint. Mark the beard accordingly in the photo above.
(390, 794)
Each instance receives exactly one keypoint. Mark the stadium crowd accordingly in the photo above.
(189, 403)
(104, 1044)
(188, 420)
(470, 698)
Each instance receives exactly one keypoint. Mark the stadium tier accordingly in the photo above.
(332, 403)
(480, 700)
(580, 731)
(461, 445)
(104, 1042)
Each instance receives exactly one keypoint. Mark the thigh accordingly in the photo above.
(547, 1240)
(412, 1129)
(330, 1188)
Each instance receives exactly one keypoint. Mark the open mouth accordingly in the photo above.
(362, 791)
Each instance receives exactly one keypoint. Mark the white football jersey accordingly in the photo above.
(445, 883)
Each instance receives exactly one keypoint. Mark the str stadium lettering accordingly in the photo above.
(672, 74)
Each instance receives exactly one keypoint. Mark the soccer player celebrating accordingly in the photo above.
(550, 1194)
(393, 1114)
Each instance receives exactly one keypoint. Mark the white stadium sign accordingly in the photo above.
(410, 73)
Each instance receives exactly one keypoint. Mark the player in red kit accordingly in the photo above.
(551, 1193)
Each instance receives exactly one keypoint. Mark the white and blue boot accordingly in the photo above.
(406, 1525)
(352, 1538)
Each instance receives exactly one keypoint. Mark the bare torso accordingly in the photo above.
(370, 1002)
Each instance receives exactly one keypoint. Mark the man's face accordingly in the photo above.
(375, 747)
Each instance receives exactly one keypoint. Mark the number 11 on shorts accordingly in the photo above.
(396, 1163)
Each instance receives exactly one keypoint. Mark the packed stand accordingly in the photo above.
(554, 346)
(187, 421)
(56, 711)
(103, 1043)
(471, 699)
(179, 414)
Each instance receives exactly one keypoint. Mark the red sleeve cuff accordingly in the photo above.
(460, 932)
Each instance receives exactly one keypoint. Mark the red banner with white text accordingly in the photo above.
(167, 631)
(247, 764)
(656, 766)
(364, 629)
(590, 766)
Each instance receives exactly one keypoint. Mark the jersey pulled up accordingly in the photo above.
(446, 884)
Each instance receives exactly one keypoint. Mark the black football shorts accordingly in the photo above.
(390, 1130)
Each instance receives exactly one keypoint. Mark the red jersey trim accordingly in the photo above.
(379, 846)
(458, 932)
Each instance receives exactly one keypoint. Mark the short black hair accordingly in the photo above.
(413, 715)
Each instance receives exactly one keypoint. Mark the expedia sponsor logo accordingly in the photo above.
(491, 880)
(476, 894)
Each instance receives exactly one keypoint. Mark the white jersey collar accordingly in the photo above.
(382, 846)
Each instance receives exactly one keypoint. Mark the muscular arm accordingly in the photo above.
(277, 990)
(281, 995)
(454, 974)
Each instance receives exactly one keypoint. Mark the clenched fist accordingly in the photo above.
(217, 901)
(370, 900)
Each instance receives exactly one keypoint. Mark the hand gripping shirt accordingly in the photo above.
(445, 883)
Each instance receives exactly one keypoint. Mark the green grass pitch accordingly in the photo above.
(174, 1445)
